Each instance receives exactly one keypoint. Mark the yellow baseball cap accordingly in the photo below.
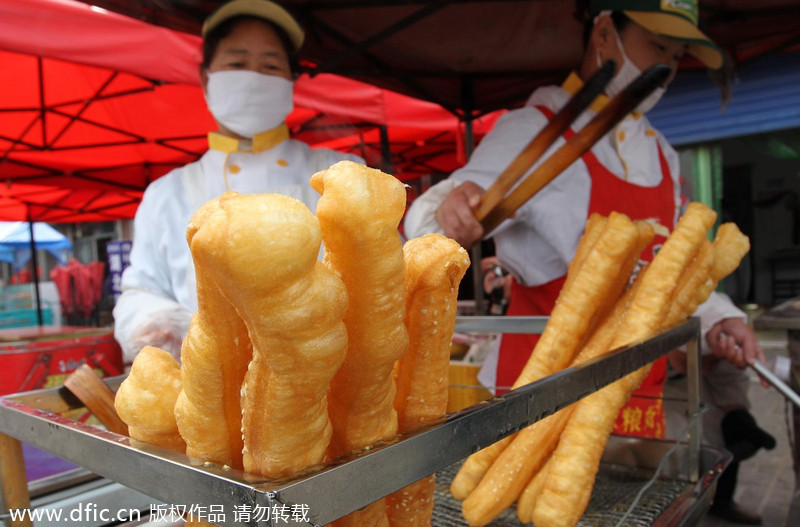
(265, 9)
(675, 19)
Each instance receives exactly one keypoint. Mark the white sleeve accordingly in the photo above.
(147, 298)
(420, 218)
(718, 307)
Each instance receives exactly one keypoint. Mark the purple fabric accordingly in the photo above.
(40, 464)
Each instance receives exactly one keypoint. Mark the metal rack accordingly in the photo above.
(331, 491)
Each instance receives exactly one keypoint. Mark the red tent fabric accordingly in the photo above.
(96, 105)
(77, 32)
(472, 55)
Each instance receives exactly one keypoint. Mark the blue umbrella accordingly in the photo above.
(15, 242)
(19, 240)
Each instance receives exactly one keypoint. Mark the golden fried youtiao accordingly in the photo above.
(359, 213)
(214, 358)
(146, 398)
(435, 266)
(576, 460)
(261, 251)
(591, 287)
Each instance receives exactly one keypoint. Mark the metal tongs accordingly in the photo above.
(496, 205)
(776, 382)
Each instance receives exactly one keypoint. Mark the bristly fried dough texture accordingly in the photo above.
(261, 251)
(146, 398)
(512, 470)
(527, 500)
(577, 305)
(730, 246)
(412, 506)
(576, 460)
(359, 212)
(435, 266)
(474, 468)
(603, 248)
(214, 358)
(694, 279)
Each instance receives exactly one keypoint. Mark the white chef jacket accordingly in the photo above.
(537, 244)
(159, 284)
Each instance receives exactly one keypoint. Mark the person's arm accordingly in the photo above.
(145, 318)
(726, 334)
(449, 206)
(147, 312)
(420, 218)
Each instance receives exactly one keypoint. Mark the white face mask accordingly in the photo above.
(626, 74)
(248, 102)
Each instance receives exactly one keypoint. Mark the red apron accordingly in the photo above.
(643, 415)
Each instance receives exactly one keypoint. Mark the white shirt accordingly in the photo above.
(159, 284)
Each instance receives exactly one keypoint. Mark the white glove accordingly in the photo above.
(164, 330)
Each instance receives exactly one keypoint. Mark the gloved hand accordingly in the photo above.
(164, 329)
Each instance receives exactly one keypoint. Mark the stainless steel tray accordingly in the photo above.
(331, 491)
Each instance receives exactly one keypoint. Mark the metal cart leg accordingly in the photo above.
(693, 396)
(13, 482)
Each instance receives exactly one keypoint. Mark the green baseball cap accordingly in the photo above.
(675, 19)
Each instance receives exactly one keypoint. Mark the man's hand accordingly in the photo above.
(732, 340)
(456, 214)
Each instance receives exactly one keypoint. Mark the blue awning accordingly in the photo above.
(766, 98)
(15, 240)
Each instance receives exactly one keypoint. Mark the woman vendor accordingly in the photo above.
(247, 74)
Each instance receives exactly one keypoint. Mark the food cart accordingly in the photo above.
(648, 482)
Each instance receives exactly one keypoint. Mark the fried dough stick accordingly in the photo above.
(214, 359)
(576, 459)
(359, 212)
(710, 265)
(476, 465)
(686, 300)
(512, 470)
(527, 500)
(713, 263)
(146, 399)
(261, 250)
(597, 345)
(435, 266)
(730, 246)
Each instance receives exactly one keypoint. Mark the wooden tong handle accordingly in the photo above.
(620, 106)
(98, 398)
(542, 141)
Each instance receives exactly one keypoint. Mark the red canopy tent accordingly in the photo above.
(471, 56)
(96, 105)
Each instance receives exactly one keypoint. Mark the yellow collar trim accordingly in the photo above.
(573, 84)
(260, 142)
